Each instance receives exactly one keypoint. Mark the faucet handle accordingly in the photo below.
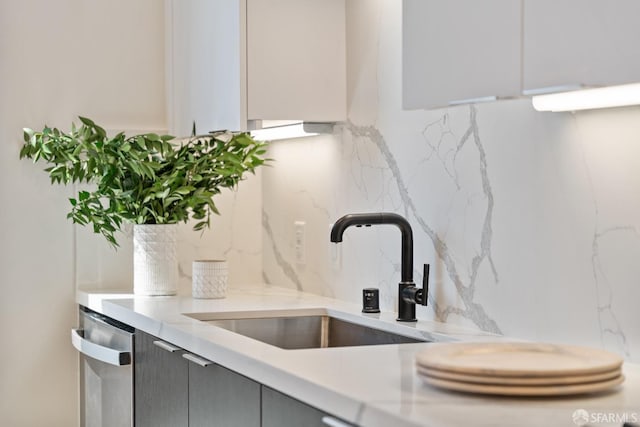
(425, 285)
(414, 295)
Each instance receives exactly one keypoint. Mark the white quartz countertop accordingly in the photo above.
(370, 386)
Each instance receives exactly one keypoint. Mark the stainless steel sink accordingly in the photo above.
(307, 331)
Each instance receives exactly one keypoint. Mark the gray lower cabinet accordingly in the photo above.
(222, 398)
(280, 410)
(161, 384)
(171, 391)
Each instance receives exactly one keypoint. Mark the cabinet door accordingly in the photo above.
(229, 61)
(580, 42)
(280, 410)
(457, 50)
(205, 65)
(219, 397)
(296, 60)
(161, 385)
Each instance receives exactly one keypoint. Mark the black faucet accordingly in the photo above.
(408, 294)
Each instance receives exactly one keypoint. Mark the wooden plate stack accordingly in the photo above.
(519, 369)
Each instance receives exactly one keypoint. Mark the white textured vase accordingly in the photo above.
(209, 279)
(155, 260)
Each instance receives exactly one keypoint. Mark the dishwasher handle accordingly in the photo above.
(98, 352)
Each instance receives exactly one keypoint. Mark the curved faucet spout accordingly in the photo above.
(367, 219)
(408, 294)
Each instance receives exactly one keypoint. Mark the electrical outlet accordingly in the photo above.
(299, 242)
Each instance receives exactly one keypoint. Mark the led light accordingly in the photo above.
(293, 130)
(473, 100)
(588, 99)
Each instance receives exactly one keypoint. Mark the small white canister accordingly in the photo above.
(209, 278)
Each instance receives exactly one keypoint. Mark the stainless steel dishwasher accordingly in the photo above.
(106, 370)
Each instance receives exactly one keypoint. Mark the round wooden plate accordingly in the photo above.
(517, 359)
(529, 381)
(508, 390)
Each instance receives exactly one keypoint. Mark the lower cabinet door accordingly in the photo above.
(174, 388)
(280, 410)
(219, 397)
(161, 387)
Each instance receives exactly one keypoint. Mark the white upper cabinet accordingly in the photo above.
(459, 50)
(580, 42)
(465, 50)
(234, 63)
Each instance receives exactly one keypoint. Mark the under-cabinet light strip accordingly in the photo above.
(588, 99)
(296, 130)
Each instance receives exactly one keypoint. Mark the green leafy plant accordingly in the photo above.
(142, 179)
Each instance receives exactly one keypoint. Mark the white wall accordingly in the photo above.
(103, 60)
(58, 60)
(530, 221)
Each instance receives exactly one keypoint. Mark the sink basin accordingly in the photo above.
(303, 329)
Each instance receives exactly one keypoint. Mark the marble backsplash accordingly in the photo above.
(530, 220)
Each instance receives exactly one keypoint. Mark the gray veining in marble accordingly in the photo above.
(530, 220)
(611, 329)
(472, 311)
(608, 320)
(284, 265)
(315, 204)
